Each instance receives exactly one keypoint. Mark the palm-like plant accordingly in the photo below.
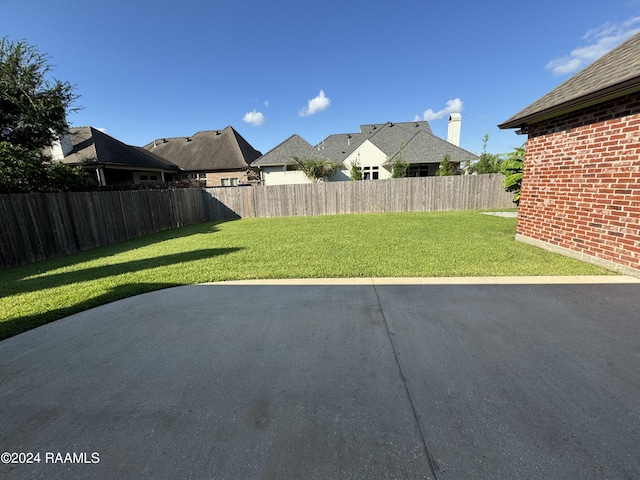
(512, 168)
(316, 169)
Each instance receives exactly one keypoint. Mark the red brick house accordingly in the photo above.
(581, 184)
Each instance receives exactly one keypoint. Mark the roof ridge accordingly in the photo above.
(403, 144)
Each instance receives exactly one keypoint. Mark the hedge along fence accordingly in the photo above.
(424, 194)
(38, 226)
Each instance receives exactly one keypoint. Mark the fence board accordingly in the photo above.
(40, 226)
(472, 192)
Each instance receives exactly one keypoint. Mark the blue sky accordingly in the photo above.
(154, 69)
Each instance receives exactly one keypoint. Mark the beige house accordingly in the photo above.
(373, 150)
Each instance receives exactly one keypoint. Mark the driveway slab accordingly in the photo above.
(522, 381)
(370, 380)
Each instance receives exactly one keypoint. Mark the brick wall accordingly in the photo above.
(214, 179)
(581, 186)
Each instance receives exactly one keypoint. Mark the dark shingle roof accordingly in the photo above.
(294, 146)
(391, 136)
(91, 146)
(613, 75)
(213, 150)
(425, 147)
(339, 146)
(408, 126)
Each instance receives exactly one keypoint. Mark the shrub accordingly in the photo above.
(316, 169)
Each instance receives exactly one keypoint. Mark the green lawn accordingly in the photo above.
(375, 245)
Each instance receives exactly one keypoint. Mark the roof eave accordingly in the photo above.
(629, 86)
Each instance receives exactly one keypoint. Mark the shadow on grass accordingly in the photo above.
(94, 273)
(17, 325)
(12, 327)
(114, 248)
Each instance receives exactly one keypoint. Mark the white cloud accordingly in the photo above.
(254, 118)
(101, 129)
(599, 41)
(453, 106)
(315, 105)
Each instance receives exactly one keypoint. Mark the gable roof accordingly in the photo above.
(391, 136)
(425, 147)
(93, 147)
(212, 150)
(294, 146)
(339, 146)
(613, 75)
(388, 137)
(413, 140)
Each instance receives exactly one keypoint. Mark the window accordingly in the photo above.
(229, 182)
(420, 170)
(370, 173)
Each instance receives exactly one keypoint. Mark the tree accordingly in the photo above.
(33, 108)
(316, 169)
(399, 168)
(447, 167)
(512, 168)
(21, 170)
(488, 162)
(33, 112)
(65, 178)
(355, 173)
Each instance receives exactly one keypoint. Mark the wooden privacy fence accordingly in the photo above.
(38, 226)
(424, 194)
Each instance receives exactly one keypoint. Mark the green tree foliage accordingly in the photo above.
(399, 168)
(316, 169)
(447, 167)
(488, 162)
(33, 108)
(65, 178)
(33, 112)
(21, 170)
(512, 168)
(355, 172)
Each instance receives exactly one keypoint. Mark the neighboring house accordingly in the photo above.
(581, 183)
(109, 160)
(221, 157)
(374, 150)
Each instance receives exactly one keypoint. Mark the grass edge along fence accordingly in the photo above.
(40, 226)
